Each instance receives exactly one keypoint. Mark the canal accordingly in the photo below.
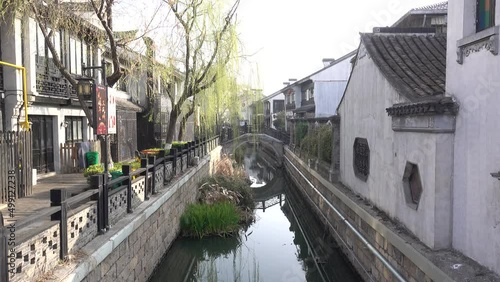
(285, 243)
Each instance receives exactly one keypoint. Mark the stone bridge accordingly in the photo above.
(273, 188)
(270, 145)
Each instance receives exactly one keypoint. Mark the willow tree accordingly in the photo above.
(55, 15)
(207, 44)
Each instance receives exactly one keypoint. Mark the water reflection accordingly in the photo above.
(286, 243)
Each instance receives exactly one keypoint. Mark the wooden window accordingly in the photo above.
(78, 56)
(485, 14)
(72, 55)
(361, 158)
(40, 43)
(74, 129)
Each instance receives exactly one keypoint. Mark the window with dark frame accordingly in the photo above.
(361, 158)
(74, 129)
(485, 14)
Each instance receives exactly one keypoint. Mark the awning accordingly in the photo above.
(123, 104)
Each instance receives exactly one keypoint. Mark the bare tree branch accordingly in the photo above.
(57, 60)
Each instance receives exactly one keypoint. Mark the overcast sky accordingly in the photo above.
(289, 38)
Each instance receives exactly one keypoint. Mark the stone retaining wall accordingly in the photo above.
(136, 244)
(411, 264)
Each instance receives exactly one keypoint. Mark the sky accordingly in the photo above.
(283, 39)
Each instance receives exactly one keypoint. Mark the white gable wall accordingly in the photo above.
(329, 86)
(362, 114)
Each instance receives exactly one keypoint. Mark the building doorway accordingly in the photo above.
(43, 143)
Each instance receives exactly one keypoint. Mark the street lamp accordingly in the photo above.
(85, 88)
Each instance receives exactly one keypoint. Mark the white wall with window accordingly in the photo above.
(473, 68)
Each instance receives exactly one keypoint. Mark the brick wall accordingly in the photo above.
(400, 256)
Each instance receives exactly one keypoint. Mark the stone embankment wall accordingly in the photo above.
(399, 251)
(133, 247)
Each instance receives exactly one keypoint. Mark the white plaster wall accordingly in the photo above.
(339, 71)
(329, 86)
(327, 96)
(362, 114)
(476, 195)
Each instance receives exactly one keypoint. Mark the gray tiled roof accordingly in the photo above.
(415, 64)
(438, 6)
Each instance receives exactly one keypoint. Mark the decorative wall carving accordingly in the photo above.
(361, 158)
(485, 40)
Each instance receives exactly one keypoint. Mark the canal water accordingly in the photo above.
(285, 243)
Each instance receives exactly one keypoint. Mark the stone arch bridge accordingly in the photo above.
(272, 146)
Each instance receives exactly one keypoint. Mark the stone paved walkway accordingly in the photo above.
(74, 183)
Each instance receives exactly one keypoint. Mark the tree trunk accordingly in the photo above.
(182, 128)
(171, 126)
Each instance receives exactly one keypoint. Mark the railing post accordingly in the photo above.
(204, 146)
(126, 172)
(173, 152)
(197, 148)
(58, 198)
(189, 146)
(105, 201)
(163, 158)
(144, 164)
(96, 183)
(4, 252)
(152, 160)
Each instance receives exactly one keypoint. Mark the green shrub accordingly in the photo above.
(93, 169)
(325, 142)
(309, 145)
(300, 132)
(279, 122)
(201, 220)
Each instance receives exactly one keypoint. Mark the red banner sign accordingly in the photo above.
(100, 105)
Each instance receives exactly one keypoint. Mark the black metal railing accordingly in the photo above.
(155, 172)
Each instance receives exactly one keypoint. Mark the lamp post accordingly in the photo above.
(87, 87)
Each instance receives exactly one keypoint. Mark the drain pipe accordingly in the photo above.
(372, 249)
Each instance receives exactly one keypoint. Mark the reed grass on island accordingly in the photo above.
(200, 220)
(225, 202)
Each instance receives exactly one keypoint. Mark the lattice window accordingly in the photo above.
(361, 158)
(412, 185)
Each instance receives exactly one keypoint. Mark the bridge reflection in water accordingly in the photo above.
(286, 243)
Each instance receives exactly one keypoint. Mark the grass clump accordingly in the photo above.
(225, 201)
(201, 220)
